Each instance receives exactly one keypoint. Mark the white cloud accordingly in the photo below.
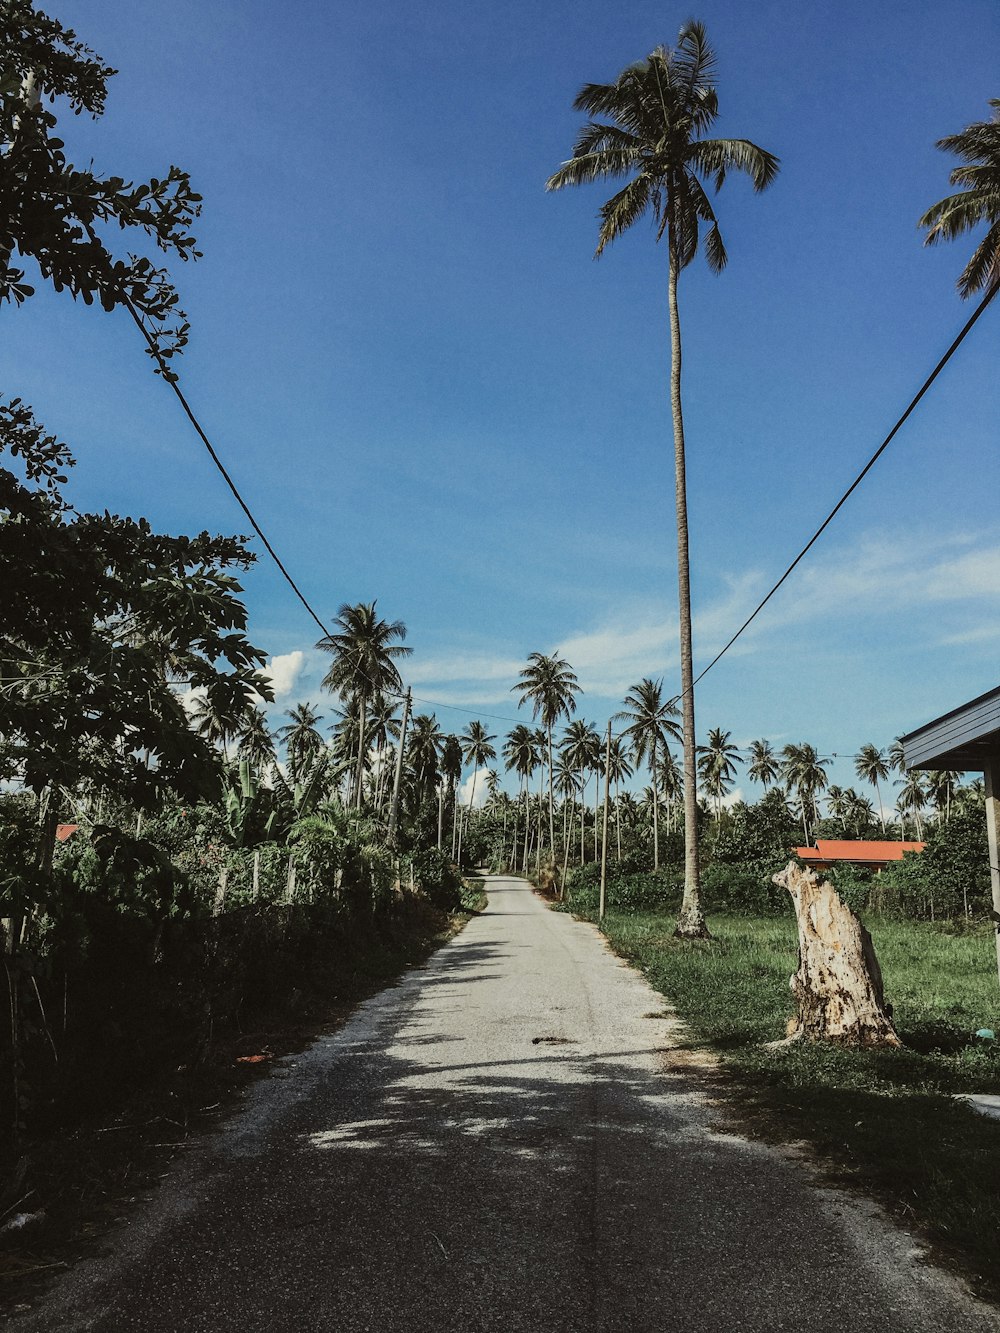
(482, 791)
(284, 670)
(463, 667)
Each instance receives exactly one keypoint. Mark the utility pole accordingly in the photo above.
(604, 836)
(394, 809)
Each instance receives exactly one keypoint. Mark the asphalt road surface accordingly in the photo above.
(496, 1143)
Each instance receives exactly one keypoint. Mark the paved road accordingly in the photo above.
(494, 1145)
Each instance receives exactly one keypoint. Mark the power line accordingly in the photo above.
(171, 378)
(852, 488)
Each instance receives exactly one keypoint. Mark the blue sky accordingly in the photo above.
(431, 394)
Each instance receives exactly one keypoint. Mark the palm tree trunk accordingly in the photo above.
(881, 812)
(656, 806)
(597, 808)
(527, 827)
(552, 825)
(618, 817)
(440, 814)
(691, 922)
(358, 779)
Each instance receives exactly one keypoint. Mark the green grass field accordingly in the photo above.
(885, 1120)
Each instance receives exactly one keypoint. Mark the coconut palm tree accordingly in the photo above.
(838, 803)
(217, 724)
(942, 784)
(365, 650)
(300, 737)
(451, 772)
(519, 754)
(477, 749)
(805, 773)
(423, 753)
(550, 686)
(568, 783)
(763, 766)
(256, 745)
(870, 766)
(620, 769)
(897, 756)
(717, 766)
(978, 202)
(859, 813)
(912, 798)
(580, 747)
(649, 722)
(656, 114)
(671, 784)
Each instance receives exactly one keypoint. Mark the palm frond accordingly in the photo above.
(622, 210)
(983, 269)
(592, 167)
(694, 60)
(717, 157)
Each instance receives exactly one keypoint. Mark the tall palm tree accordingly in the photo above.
(365, 651)
(763, 766)
(550, 685)
(423, 752)
(300, 737)
(477, 749)
(671, 785)
(520, 754)
(620, 769)
(839, 803)
(912, 798)
(650, 722)
(942, 785)
(580, 748)
(870, 765)
(717, 765)
(804, 773)
(256, 745)
(657, 111)
(215, 723)
(978, 202)
(451, 771)
(568, 783)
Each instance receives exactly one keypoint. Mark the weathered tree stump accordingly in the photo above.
(838, 985)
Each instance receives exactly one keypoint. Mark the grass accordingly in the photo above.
(886, 1120)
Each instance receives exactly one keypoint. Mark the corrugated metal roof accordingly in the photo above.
(967, 738)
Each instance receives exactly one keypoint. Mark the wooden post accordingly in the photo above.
(991, 774)
(290, 880)
(256, 874)
(394, 809)
(604, 836)
(220, 892)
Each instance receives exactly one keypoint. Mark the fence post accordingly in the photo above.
(256, 875)
(290, 881)
(220, 892)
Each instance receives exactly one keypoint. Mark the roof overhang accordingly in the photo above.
(966, 739)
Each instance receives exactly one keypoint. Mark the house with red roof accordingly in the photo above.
(854, 851)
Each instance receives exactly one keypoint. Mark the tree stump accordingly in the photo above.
(838, 985)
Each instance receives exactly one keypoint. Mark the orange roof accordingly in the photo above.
(65, 831)
(857, 849)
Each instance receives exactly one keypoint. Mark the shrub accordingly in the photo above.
(437, 878)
